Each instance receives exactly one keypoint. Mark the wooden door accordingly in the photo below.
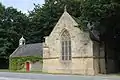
(27, 66)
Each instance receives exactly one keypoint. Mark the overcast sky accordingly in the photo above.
(23, 5)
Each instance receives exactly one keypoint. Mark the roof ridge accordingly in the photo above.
(32, 44)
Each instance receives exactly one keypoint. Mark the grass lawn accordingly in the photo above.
(7, 70)
(4, 70)
(39, 72)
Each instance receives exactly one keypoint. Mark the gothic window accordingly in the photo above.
(66, 46)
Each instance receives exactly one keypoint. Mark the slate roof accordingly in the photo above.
(28, 50)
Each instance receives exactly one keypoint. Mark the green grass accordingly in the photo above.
(39, 72)
(4, 70)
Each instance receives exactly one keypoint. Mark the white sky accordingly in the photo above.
(22, 5)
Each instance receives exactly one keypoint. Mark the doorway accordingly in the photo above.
(27, 66)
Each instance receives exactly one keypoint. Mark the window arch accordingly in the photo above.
(66, 46)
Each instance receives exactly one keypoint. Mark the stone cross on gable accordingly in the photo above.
(65, 8)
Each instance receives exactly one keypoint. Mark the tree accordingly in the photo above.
(13, 24)
(44, 18)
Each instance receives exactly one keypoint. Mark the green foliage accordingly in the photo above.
(18, 63)
(13, 24)
(103, 13)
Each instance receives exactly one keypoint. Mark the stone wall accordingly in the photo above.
(81, 49)
(82, 66)
(99, 58)
(37, 66)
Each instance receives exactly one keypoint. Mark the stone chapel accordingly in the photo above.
(70, 50)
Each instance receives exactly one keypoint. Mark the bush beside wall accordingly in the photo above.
(18, 63)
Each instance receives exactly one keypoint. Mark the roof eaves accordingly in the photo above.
(14, 52)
